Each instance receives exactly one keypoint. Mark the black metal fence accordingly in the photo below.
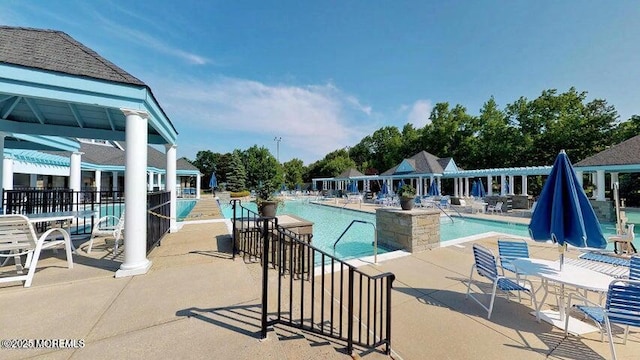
(97, 203)
(314, 291)
(158, 220)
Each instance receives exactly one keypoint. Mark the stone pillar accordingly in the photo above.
(600, 184)
(413, 230)
(135, 200)
(524, 185)
(171, 185)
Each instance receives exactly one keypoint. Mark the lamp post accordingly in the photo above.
(277, 139)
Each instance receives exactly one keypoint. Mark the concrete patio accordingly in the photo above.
(196, 302)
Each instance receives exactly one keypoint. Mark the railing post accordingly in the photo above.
(390, 280)
(265, 273)
(233, 236)
(350, 313)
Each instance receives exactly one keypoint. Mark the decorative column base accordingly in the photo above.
(132, 270)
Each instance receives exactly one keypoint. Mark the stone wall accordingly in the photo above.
(412, 230)
(604, 210)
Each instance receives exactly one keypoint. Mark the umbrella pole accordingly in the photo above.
(562, 249)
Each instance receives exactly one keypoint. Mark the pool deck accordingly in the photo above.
(197, 302)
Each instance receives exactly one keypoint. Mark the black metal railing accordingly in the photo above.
(97, 203)
(158, 217)
(316, 291)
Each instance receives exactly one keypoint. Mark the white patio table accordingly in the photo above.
(571, 276)
(65, 216)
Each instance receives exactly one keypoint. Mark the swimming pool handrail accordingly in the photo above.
(444, 212)
(375, 238)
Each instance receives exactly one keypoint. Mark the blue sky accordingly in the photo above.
(323, 74)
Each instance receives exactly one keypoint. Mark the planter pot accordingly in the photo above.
(406, 203)
(268, 208)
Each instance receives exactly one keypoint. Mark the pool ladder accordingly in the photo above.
(375, 238)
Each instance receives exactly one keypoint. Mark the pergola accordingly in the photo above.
(53, 86)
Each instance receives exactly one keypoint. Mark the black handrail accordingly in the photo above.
(306, 273)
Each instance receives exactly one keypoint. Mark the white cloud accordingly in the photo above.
(419, 113)
(312, 120)
(144, 39)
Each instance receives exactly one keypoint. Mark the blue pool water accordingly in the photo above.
(183, 208)
(330, 222)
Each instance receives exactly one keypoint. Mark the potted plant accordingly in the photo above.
(407, 194)
(266, 201)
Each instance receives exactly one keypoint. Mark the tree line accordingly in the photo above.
(523, 133)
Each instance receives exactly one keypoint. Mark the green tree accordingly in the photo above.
(293, 170)
(262, 168)
(236, 176)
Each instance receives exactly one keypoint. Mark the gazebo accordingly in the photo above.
(53, 86)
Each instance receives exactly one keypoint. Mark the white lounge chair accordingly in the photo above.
(495, 208)
(17, 238)
(108, 227)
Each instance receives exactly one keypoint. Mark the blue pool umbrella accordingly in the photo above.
(563, 213)
(385, 189)
(353, 186)
(213, 183)
(481, 192)
(474, 189)
(433, 189)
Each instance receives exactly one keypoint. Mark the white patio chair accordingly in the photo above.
(495, 208)
(108, 227)
(17, 238)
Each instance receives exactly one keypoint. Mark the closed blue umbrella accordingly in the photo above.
(481, 192)
(474, 189)
(213, 183)
(433, 189)
(385, 189)
(563, 213)
(353, 187)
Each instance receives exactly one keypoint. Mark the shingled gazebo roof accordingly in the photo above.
(624, 153)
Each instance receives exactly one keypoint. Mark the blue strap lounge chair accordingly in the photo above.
(622, 307)
(509, 250)
(485, 266)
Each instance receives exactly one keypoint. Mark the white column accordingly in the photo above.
(198, 185)
(579, 175)
(455, 187)
(150, 181)
(439, 182)
(114, 176)
(33, 180)
(159, 181)
(171, 185)
(524, 185)
(503, 185)
(2, 135)
(600, 184)
(489, 185)
(511, 185)
(98, 177)
(7, 172)
(75, 178)
(466, 187)
(135, 200)
(614, 178)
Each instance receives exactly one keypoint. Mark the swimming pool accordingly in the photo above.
(330, 222)
(183, 208)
